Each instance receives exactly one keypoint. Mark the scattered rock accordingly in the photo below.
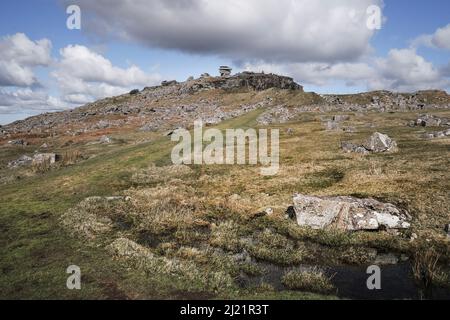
(340, 118)
(21, 162)
(168, 83)
(150, 127)
(379, 142)
(349, 129)
(18, 142)
(37, 159)
(427, 120)
(413, 237)
(353, 148)
(42, 158)
(348, 213)
(437, 135)
(105, 140)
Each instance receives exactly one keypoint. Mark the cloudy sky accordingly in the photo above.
(329, 46)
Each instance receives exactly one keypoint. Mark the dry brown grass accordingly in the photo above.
(41, 166)
(426, 269)
(70, 157)
(312, 280)
(154, 174)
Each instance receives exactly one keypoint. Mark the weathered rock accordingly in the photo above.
(18, 142)
(348, 213)
(437, 135)
(21, 162)
(105, 140)
(169, 83)
(349, 129)
(41, 158)
(428, 121)
(150, 127)
(379, 142)
(340, 118)
(353, 148)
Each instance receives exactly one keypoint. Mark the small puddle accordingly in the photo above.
(397, 282)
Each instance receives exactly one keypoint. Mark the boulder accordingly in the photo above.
(340, 118)
(348, 214)
(379, 142)
(18, 142)
(41, 158)
(437, 135)
(353, 148)
(21, 162)
(428, 121)
(168, 83)
(105, 140)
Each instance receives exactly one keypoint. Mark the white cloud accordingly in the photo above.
(16, 101)
(269, 30)
(440, 39)
(18, 56)
(405, 70)
(319, 74)
(400, 70)
(83, 76)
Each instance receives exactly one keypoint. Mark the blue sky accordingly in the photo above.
(302, 38)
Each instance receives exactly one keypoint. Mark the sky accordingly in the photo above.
(328, 46)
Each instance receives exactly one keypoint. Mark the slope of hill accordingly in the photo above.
(140, 227)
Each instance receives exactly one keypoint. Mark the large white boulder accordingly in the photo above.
(348, 213)
(379, 142)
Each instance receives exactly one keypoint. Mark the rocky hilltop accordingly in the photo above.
(214, 99)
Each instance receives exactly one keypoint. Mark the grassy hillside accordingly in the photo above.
(200, 219)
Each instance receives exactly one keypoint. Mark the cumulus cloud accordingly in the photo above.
(319, 74)
(18, 56)
(269, 30)
(440, 39)
(16, 101)
(400, 70)
(405, 70)
(83, 76)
